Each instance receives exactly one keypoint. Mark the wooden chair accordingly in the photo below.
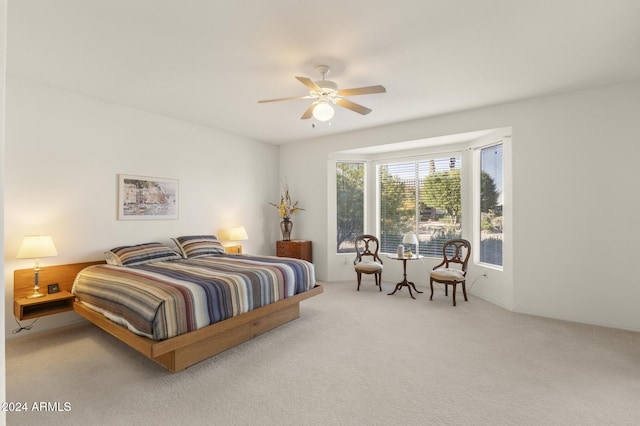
(367, 260)
(453, 252)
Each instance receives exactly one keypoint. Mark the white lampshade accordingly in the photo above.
(238, 233)
(36, 246)
(410, 238)
(323, 111)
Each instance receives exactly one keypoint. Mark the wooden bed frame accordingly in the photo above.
(180, 352)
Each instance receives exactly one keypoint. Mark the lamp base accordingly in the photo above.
(35, 295)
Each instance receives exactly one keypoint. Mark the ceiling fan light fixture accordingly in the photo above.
(325, 93)
(323, 111)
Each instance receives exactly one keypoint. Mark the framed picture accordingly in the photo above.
(143, 197)
(53, 288)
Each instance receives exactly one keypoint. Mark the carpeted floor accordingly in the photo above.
(353, 358)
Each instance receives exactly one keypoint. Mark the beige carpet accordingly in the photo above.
(353, 358)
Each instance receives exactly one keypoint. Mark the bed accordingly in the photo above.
(180, 310)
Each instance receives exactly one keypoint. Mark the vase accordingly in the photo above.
(285, 226)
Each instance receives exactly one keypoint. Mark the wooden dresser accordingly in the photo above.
(297, 249)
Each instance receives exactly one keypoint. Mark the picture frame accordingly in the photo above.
(53, 288)
(147, 198)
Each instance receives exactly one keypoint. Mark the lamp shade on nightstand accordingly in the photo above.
(237, 234)
(35, 247)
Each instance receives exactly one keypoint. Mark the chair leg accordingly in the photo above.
(446, 290)
(431, 285)
(359, 277)
(379, 279)
(464, 291)
(454, 294)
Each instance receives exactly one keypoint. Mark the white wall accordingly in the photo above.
(574, 184)
(63, 154)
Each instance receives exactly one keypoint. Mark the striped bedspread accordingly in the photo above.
(164, 299)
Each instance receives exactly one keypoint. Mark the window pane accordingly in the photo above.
(423, 197)
(440, 204)
(350, 205)
(491, 204)
(397, 186)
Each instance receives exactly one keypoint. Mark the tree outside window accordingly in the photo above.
(350, 204)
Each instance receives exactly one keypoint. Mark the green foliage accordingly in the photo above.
(397, 204)
(350, 201)
(442, 190)
(486, 221)
(488, 193)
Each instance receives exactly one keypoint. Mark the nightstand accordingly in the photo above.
(25, 308)
(297, 249)
(237, 249)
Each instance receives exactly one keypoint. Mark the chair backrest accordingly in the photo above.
(367, 245)
(456, 251)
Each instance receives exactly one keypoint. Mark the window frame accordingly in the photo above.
(477, 228)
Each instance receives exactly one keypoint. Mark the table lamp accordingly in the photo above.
(410, 238)
(35, 247)
(238, 233)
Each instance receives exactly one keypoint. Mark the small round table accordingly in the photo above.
(404, 282)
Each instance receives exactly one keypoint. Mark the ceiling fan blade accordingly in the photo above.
(352, 106)
(309, 83)
(309, 112)
(362, 91)
(286, 99)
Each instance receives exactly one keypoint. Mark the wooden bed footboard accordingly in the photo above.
(185, 350)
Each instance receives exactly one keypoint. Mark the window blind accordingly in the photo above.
(423, 197)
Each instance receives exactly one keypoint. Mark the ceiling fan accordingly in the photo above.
(325, 93)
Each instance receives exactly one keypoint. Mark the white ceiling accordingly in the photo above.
(209, 61)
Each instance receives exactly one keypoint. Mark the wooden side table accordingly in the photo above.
(24, 308)
(405, 282)
(235, 249)
(297, 249)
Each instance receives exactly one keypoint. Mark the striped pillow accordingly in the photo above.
(194, 246)
(143, 253)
